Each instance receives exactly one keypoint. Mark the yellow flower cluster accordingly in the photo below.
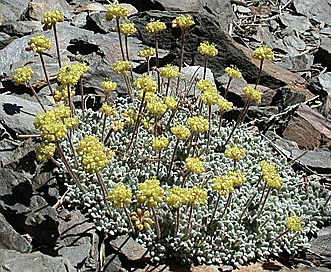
(153, 27)
(50, 18)
(121, 67)
(45, 151)
(181, 132)
(198, 123)
(93, 157)
(208, 49)
(183, 21)
(263, 52)
(197, 196)
(194, 165)
(116, 11)
(177, 196)
(61, 93)
(117, 126)
(127, 29)
(210, 97)
(130, 115)
(150, 192)
(107, 110)
(22, 75)
(235, 152)
(119, 196)
(149, 96)
(159, 143)
(147, 52)
(39, 44)
(70, 74)
(108, 85)
(54, 123)
(205, 85)
(237, 178)
(253, 93)
(170, 71)
(294, 223)
(146, 83)
(223, 184)
(156, 107)
(233, 72)
(224, 104)
(171, 102)
(270, 175)
(142, 219)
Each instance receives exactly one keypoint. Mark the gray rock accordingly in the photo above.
(96, 22)
(112, 263)
(323, 54)
(10, 239)
(318, 10)
(5, 39)
(14, 261)
(78, 241)
(129, 248)
(318, 159)
(322, 84)
(19, 29)
(322, 244)
(298, 23)
(283, 146)
(24, 209)
(17, 115)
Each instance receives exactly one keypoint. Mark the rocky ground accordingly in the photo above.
(39, 233)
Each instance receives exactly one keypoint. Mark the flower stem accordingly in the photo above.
(172, 159)
(129, 219)
(215, 209)
(128, 86)
(82, 103)
(57, 46)
(158, 163)
(36, 96)
(157, 226)
(227, 204)
(280, 235)
(103, 191)
(119, 37)
(263, 203)
(71, 105)
(127, 54)
(45, 73)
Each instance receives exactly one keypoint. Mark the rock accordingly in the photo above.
(35, 11)
(14, 261)
(318, 10)
(317, 159)
(129, 248)
(78, 241)
(19, 29)
(5, 39)
(10, 239)
(24, 209)
(285, 98)
(321, 246)
(323, 54)
(17, 115)
(112, 263)
(221, 9)
(322, 85)
(204, 268)
(297, 23)
(309, 128)
(96, 22)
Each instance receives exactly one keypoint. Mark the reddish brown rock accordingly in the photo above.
(309, 128)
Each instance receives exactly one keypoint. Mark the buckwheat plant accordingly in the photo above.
(152, 166)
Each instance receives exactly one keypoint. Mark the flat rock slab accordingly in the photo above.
(309, 128)
(11, 260)
(318, 10)
(319, 159)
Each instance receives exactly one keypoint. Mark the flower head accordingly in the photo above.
(70, 74)
(181, 132)
(159, 143)
(119, 196)
(223, 184)
(116, 11)
(45, 151)
(170, 71)
(121, 67)
(127, 29)
(270, 175)
(22, 75)
(61, 93)
(210, 97)
(237, 178)
(156, 107)
(50, 18)
(224, 104)
(194, 165)
(108, 85)
(176, 196)
(263, 52)
(294, 223)
(147, 52)
(253, 93)
(235, 152)
(39, 44)
(146, 83)
(205, 85)
(107, 110)
(208, 49)
(150, 192)
(183, 21)
(155, 26)
(197, 196)
(142, 219)
(198, 123)
(233, 72)
(170, 102)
